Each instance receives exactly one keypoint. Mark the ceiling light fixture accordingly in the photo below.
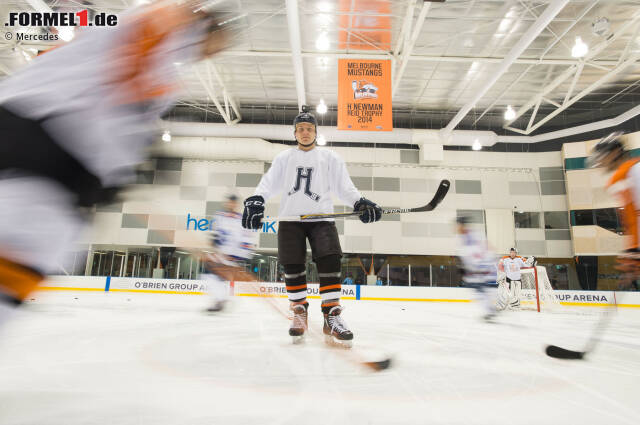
(324, 6)
(476, 145)
(579, 49)
(509, 114)
(321, 140)
(166, 136)
(601, 27)
(322, 107)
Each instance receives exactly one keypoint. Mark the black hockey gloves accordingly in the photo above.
(253, 212)
(370, 211)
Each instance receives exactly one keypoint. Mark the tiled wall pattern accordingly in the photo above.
(169, 191)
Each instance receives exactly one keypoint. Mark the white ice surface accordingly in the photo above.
(96, 358)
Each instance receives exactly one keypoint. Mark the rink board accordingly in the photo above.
(349, 292)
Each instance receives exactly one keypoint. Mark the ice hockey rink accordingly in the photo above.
(133, 159)
(117, 358)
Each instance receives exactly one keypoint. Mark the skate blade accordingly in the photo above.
(298, 339)
(339, 343)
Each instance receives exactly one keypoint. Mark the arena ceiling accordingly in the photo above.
(457, 64)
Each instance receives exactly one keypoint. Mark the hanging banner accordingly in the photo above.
(364, 95)
(365, 25)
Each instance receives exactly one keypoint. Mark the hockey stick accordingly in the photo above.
(566, 354)
(443, 188)
(350, 355)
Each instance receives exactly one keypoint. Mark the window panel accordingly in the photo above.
(526, 220)
(608, 218)
(556, 220)
(582, 218)
(474, 216)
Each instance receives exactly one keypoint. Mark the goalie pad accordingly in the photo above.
(502, 301)
(515, 286)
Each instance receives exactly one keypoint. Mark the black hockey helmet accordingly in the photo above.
(606, 146)
(305, 116)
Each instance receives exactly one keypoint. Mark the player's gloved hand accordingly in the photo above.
(253, 212)
(369, 211)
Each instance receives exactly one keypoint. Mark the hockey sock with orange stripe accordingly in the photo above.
(16, 281)
(329, 276)
(295, 277)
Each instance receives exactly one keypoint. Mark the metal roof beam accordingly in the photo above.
(604, 79)
(532, 33)
(408, 46)
(574, 70)
(406, 26)
(546, 50)
(293, 20)
(211, 93)
(418, 58)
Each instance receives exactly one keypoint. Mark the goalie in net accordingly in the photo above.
(522, 284)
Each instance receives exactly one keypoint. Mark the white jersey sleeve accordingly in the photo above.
(271, 183)
(341, 183)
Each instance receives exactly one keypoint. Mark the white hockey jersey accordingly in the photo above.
(478, 260)
(306, 180)
(512, 267)
(230, 238)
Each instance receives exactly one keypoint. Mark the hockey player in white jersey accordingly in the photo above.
(512, 265)
(478, 266)
(306, 176)
(232, 244)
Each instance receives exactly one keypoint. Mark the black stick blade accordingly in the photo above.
(562, 353)
(442, 191)
(380, 365)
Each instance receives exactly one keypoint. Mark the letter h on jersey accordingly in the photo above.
(305, 174)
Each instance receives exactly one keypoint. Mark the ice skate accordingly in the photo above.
(335, 329)
(216, 307)
(489, 318)
(298, 323)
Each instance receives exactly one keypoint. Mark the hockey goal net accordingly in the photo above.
(537, 293)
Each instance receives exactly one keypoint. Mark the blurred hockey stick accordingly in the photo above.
(351, 355)
(217, 264)
(566, 354)
(443, 188)
(629, 266)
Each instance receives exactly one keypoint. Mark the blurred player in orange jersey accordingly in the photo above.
(74, 124)
(610, 154)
